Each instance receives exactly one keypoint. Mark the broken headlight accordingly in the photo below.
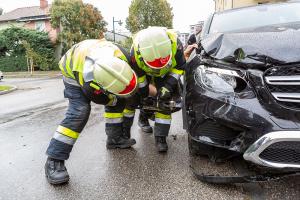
(220, 80)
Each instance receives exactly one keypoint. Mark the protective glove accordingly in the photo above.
(164, 94)
(133, 101)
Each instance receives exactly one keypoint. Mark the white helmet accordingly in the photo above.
(110, 72)
(154, 46)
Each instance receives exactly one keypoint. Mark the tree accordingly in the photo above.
(144, 13)
(1, 11)
(77, 21)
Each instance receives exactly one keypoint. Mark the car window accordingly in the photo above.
(255, 17)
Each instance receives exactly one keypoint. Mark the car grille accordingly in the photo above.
(284, 84)
(282, 152)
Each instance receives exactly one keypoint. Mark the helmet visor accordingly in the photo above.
(159, 63)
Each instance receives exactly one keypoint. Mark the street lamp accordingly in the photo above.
(120, 24)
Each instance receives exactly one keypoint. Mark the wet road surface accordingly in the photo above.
(97, 173)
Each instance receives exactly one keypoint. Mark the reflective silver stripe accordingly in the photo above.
(163, 121)
(70, 81)
(143, 84)
(128, 114)
(64, 139)
(113, 120)
(176, 76)
(88, 69)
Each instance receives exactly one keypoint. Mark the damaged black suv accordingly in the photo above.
(242, 87)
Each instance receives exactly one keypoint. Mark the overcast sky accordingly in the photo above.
(186, 12)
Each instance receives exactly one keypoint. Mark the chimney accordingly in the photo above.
(43, 4)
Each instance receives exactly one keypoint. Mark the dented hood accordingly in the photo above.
(280, 46)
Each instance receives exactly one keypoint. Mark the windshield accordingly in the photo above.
(255, 17)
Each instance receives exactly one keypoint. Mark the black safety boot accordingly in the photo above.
(119, 142)
(161, 144)
(56, 172)
(144, 123)
(126, 132)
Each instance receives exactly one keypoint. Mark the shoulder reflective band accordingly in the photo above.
(80, 78)
(142, 81)
(119, 54)
(176, 73)
(68, 132)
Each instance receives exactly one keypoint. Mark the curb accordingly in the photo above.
(8, 91)
(33, 76)
(36, 74)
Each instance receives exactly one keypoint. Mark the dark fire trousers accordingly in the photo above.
(76, 117)
(162, 118)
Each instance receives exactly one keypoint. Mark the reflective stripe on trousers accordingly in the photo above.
(128, 113)
(162, 124)
(65, 135)
(75, 120)
(113, 118)
(162, 118)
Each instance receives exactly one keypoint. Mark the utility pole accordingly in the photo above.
(120, 23)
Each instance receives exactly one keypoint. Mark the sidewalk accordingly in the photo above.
(36, 74)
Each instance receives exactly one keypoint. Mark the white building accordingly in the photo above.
(229, 4)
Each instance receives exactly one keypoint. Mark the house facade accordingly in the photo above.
(35, 17)
(221, 5)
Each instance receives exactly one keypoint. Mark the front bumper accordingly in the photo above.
(279, 150)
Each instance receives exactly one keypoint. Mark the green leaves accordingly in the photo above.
(144, 13)
(15, 43)
(77, 21)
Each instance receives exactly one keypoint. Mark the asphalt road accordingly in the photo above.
(97, 173)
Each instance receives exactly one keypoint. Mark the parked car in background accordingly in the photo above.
(242, 89)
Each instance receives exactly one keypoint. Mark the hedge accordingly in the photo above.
(10, 64)
(16, 43)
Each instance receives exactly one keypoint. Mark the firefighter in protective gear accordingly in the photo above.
(97, 71)
(157, 55)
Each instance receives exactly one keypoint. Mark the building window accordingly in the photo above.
(40, 26)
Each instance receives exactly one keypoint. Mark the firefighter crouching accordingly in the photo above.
(98, 71)
(158, 59)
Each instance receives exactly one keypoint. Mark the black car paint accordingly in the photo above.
(253, 115)
(252, 112)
